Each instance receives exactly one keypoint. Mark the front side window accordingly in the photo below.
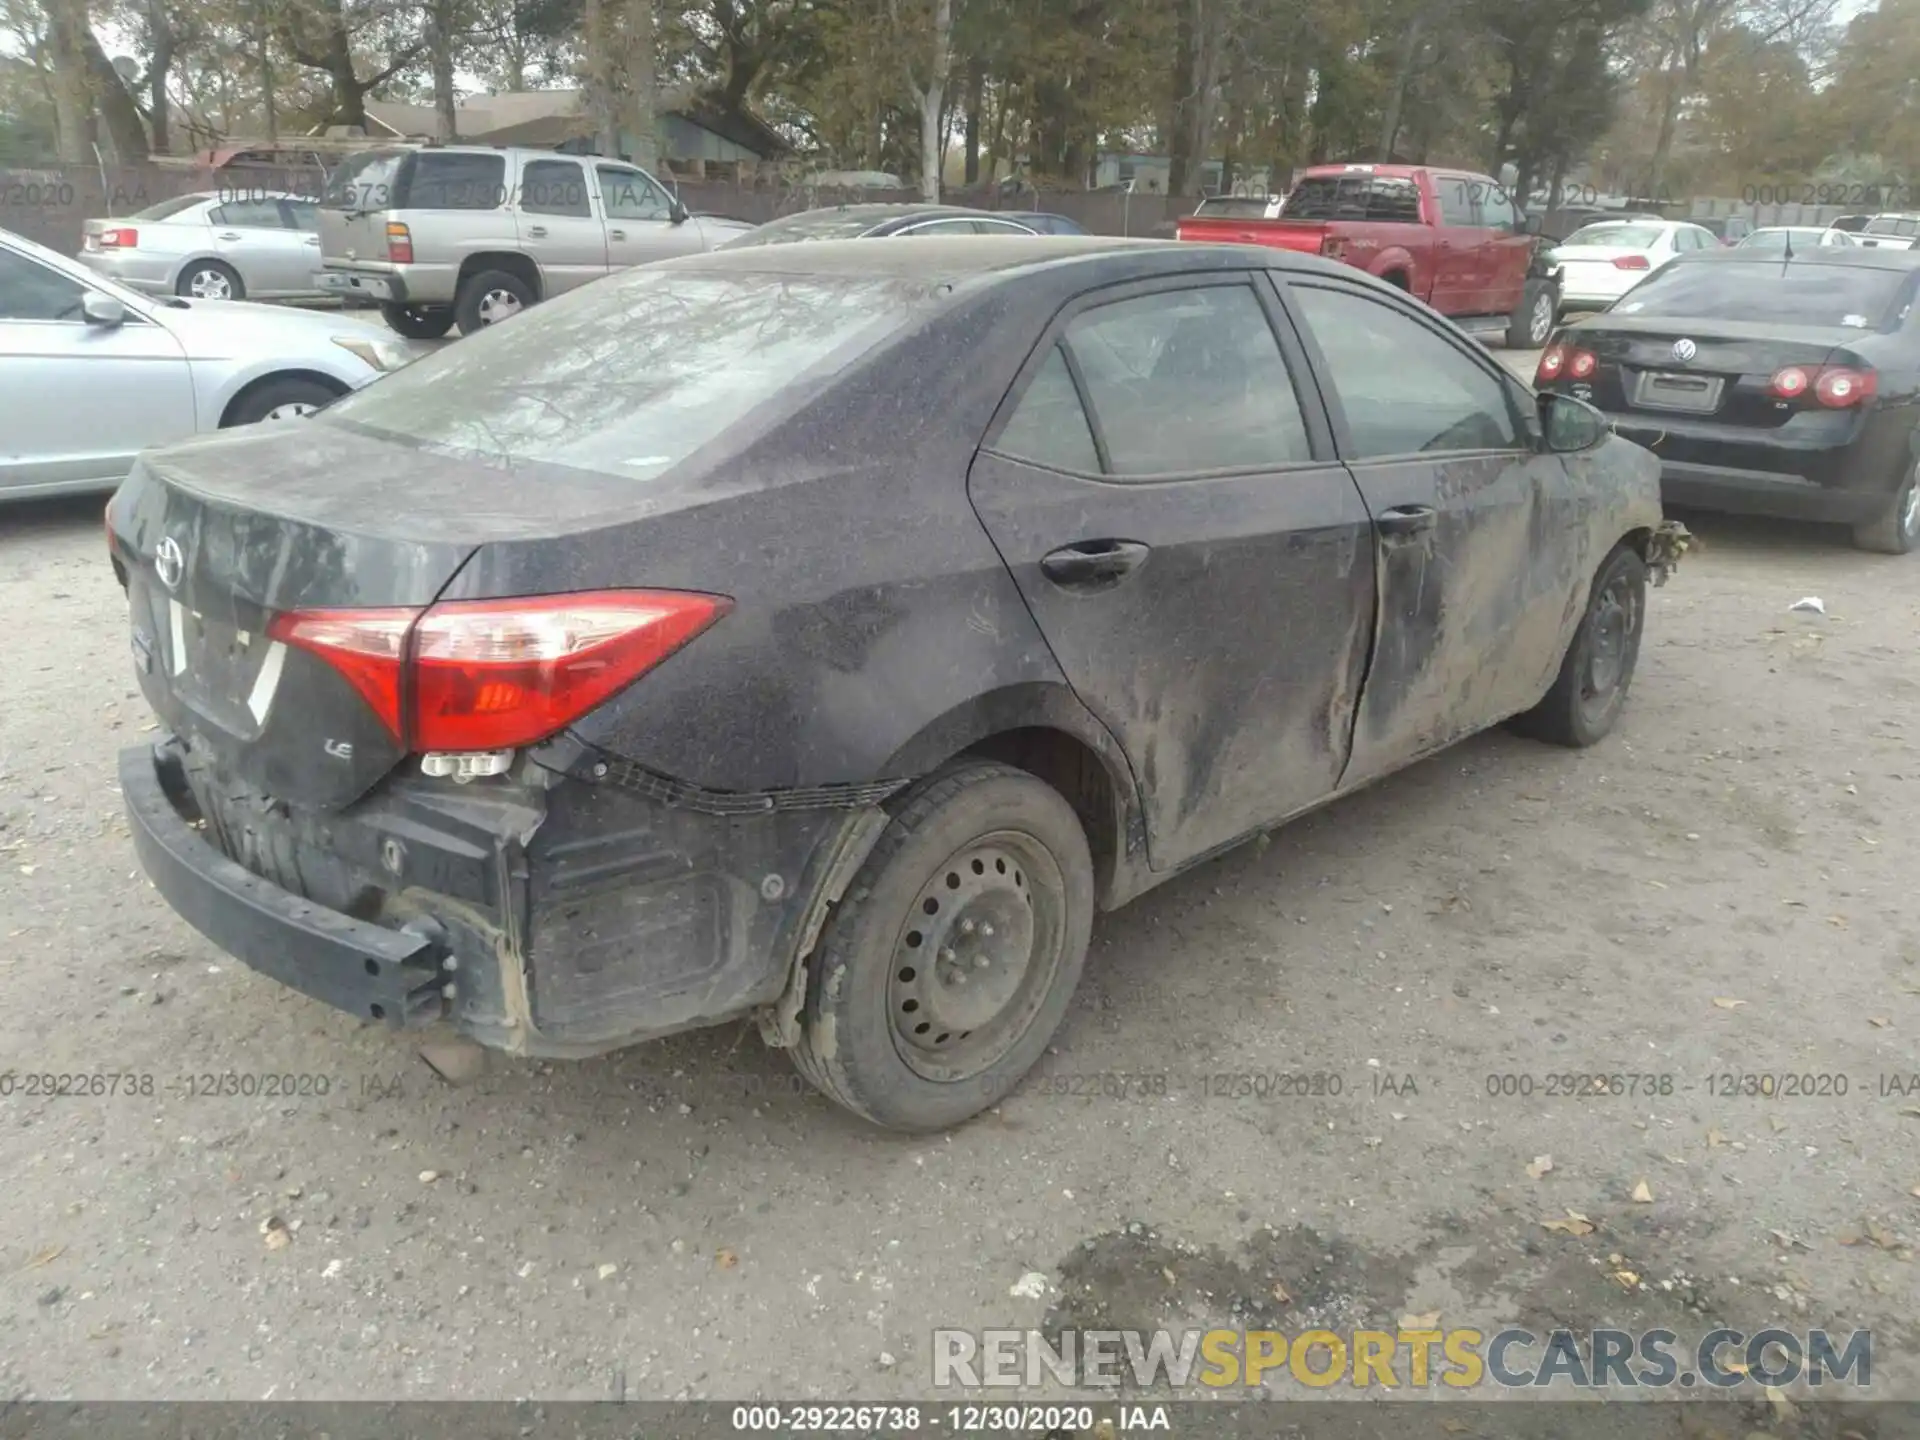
(1405, 390)
(1188, 381)
(32, 291)
(631, 195)
(1456, 205)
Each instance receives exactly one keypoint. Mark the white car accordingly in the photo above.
(237, 245)
(1779, 238)
(1891, 232)
(92, 373)
(1601, 262)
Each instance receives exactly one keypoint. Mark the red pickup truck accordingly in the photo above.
(1452, 238)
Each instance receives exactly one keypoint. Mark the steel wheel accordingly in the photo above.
(498, 305)
(977, 956)
(1615, 624)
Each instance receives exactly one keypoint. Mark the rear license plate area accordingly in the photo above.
(1666, 390)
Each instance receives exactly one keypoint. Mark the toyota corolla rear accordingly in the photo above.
(1770, 386)
(373, 644)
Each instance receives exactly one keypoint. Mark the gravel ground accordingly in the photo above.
(1723, 888)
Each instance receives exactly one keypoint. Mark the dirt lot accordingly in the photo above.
(1724, 888)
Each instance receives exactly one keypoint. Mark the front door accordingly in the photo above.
(1475, 528)
(79, 401)
(639, 218)
(1167, 499)
(559, 231)
(1459, 276)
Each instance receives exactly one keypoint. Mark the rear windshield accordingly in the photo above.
(1892, 225)
(1625, 237)
(632, 374)
(1777, 239)
(168, 208)
(364, 181)
(810, 225)
(1353, 197)
(1784, 291)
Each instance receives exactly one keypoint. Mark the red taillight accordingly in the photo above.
(1558, 360)
(1839, 387)
(499, 674)
(399, 243)
(120, 237)
(1835, 386)
(1631, 262)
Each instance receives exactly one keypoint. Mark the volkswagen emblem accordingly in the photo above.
(1685, 349)
(168, 563)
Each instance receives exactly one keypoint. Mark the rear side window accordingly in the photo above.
(554, 187)
(454, 181)
(1787, 292)
(630, 375)
(1188, 381)
(1404, 389)
(1050, 427)
(1354, 197)
(249, 215)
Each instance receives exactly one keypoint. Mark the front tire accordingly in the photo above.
(1898, 531)
(417, 322)
(1591, 689)
(950, 961)
(279, 400)
(1533, 320)
(488, 298)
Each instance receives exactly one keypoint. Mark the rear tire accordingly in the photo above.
(489, 297)
(279, 400)
(1597, 671)
(417, 322)
(950, 961)
(1898, 531)
(210, 280)
(1533, 321)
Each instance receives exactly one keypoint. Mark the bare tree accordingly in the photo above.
(927, 45)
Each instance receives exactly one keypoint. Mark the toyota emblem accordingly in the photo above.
(1685, 349)
(168, 563)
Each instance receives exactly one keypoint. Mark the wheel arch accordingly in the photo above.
(260, 382)
(511, 262)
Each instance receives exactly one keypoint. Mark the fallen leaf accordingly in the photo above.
(1915, 1192)
(28, 869)
(1456, 1427)
(1674, 1159)
(1627, 1279)
(1776, 1123)
(1642, 1194)
(275, 1232)
(1847, 1237)
(1540, 1166)
(427, 1177)
(48, 1256)
(1880, 1022)
(607, 1272)
(1881, 1236)
(1839, 922)
(1574, 1224)
(1910, 1109)
(1429, 1321)
(1715, 1139)
(726, 1259)
(1281, 1296)
(1167, 1275)
(1727, 1002)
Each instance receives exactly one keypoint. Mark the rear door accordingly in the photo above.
(1166, 497)
(256, 237)
(559, 230)
(303, 217)
(1473, 528)
(638, 216)
(79, 401)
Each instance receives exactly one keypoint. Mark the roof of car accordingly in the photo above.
(1857, 256)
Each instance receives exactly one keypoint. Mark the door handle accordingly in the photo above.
(1406, 520)
(616, 234)
(536, 230)
(1093, 564)
(229, 235)
(311, 240)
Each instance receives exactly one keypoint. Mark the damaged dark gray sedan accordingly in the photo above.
(824, 633)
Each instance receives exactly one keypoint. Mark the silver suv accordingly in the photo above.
(440, 235)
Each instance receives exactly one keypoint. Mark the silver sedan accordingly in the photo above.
(92, 373)
(235, 245)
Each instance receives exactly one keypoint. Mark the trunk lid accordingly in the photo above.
(1727, 376)
(354, 206)
(210, 558)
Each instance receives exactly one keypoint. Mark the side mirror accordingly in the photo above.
(98, 309)
(676, 211)
(1571, 425)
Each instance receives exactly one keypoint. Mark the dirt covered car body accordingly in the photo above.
(821, 632)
